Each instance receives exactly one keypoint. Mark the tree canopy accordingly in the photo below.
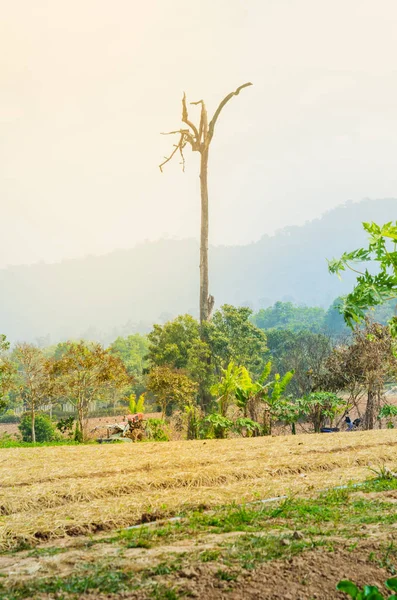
(286, 315)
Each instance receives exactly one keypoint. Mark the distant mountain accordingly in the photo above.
(128, 290)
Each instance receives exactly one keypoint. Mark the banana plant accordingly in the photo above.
(249, 394)
(225, 389)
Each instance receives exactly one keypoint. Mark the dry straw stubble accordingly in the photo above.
(59, 491)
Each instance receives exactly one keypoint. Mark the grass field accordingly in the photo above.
(55, 492)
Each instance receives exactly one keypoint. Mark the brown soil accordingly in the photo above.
(9, 429)
(309, 575)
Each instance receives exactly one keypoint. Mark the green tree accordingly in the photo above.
(172, 343)
(388, 412)
(34, 381)
(178, 344)
(233, 337)
(219, 425)
(333, 322)
(203, 352)
(285, 315)
(86, 372)
(7, 372)
(371, 289)
(304, 352)
(44, 430)
(171, 386)
(133, 351)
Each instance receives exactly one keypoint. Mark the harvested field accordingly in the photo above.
(54, 492)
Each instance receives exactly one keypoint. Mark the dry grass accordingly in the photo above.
(68, 490)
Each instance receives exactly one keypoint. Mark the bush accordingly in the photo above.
(44, 428)
(9, 417)
(219, 426)
(66, 426)
(320, 407)
(156, 430)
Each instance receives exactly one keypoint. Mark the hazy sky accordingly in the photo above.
(87, 85)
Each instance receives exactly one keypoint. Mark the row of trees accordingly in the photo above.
(226, 374)
(76, 372)
(320, 378)
(291, 317)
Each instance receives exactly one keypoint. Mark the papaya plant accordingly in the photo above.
(388, 412)
(371, 289)
(246, 426)
(369, 592)
(219, 425)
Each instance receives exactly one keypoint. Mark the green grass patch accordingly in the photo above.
(317, 517)
(163, 592)
(101, 579)
(386, 558)
(249, 550)
(37, 552)
(226, 575)
(10, 443)
(267, 532)
(209, 556)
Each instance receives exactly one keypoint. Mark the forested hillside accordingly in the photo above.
(129, 290)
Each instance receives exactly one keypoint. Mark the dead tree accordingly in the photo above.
(199, 138)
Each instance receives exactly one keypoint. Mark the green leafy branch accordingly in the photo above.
(370, 289)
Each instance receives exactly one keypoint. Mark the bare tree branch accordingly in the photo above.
(177, 146)
(186, 134)
(186, 137)
(221, 106)
(185, 118)
(181, 131)
(203, 127)
(182, 156)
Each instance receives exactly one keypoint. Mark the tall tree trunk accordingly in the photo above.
(369, 418)
(80, 413)
(204, 278)
(267, 422)
(199, 138)
(33, 425)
